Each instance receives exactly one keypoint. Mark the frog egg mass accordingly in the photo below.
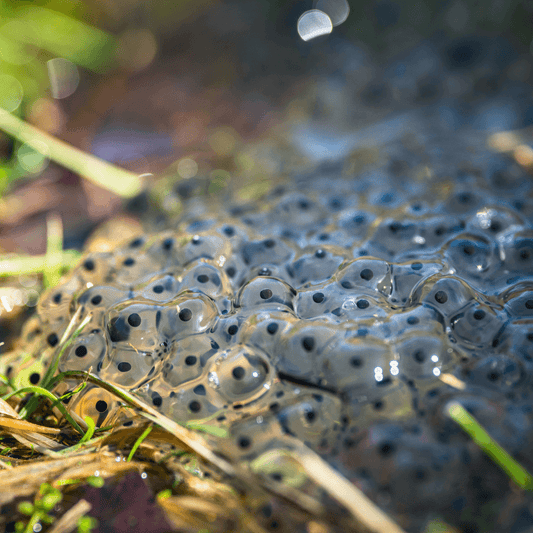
(329, 311)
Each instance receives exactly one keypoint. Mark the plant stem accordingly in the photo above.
(17, 266)
(120, 181)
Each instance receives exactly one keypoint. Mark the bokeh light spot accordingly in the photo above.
(11, 92)
(31, 159)
(136, 49)
(187, 168)
(223, 141)
(336, 10)
(314, 23)
(64, 77)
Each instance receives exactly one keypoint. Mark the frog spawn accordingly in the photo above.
(327, 320)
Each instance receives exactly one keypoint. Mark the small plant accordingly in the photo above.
(86, 524)
(39, 511)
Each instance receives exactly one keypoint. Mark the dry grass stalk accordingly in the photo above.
(69, 521)
(25, 479)
(362, 508)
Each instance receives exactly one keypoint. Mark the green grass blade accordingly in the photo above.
(54, 251)
(480, 436)
(19, 265)
(115, 179)
(64, 343)
(138, 442)
(91, 426)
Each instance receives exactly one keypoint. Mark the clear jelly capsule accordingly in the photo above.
(133, 266)
(356, 223)
(270, 293)
(297, 210)
(354, 363)
(94, 267)
(517, 253)
(471, 256)
(383, 197)
(209, 280)
(517, 340)
(477, 326)
(447, 295)
(327, 236)
(54, 307)
(359, 307)
(265, 329)
(313, 418)
(96, 403)
(365, 276)
(501, 372)
(436, 230)
(234, 232)
(203, 246)
(295, 353)
(271, 250)
(519, 304)
(385, 399)
(423, 356)
(493, 222)
(164, 248)
(188, 359)
(160, 289)
(318, 301)
(419, 318)
(250, 437)
(343, 197)
(99, 298)
(315, 266)
(241, 374)
(192, 401)
(188, 314)
(129, 368)
(405, 279)
(85, 353)
(462, 202)
(392, 238)
(135, 325)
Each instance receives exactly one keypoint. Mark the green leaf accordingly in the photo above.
(96, 481)
(26, 508)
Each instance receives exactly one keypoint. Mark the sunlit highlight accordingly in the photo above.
(314, 23)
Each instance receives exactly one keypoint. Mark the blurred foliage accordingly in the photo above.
(30, 36)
